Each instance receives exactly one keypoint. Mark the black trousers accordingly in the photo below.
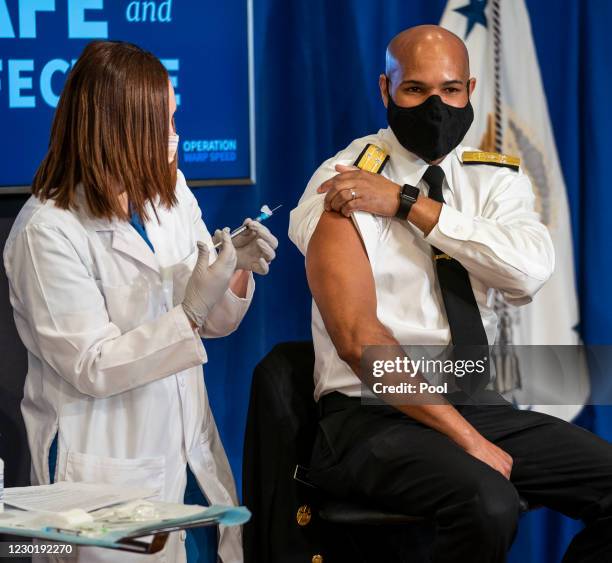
(379, 456)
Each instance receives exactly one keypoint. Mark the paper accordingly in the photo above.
(65, 495)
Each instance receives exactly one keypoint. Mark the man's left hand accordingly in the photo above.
(354, 189)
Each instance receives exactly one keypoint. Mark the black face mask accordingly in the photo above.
(430, 130)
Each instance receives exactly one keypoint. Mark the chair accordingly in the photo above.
(292, 520)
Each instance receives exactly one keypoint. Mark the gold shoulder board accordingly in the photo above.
(372, 159)
(492, 158)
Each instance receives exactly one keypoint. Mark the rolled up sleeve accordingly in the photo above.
(304, 218)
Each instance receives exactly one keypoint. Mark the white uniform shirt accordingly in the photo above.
(487, 223)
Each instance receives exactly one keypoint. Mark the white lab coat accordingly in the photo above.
(114, 367)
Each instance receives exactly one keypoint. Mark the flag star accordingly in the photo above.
(475, 13)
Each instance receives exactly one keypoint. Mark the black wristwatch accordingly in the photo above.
(407, 197)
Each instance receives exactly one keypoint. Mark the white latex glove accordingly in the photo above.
(208, 284)
(255, 248)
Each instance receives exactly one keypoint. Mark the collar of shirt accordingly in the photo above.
(409, 168)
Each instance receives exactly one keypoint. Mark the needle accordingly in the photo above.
(266, 213)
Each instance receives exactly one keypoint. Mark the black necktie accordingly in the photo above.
(467, 331)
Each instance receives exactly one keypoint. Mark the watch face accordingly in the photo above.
(409, 192)
(408, 197)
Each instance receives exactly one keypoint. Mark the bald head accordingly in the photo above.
(426, 42)
(426, 60)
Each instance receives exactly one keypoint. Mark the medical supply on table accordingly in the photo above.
(266, 213)
(67, 520)
(124, 527)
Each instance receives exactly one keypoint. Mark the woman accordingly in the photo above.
(111, 285)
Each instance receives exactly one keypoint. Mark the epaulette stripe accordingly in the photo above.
(372, 159)
(492, 158)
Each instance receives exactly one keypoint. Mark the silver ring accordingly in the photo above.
(353, 194)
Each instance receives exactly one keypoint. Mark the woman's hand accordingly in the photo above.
(354, 189)
(208, 283)
(255, 248)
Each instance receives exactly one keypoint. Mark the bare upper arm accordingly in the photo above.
(342, 284)
(341, 280)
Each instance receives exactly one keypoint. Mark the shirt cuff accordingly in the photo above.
(452, 229)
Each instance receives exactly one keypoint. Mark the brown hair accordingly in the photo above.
(110, 132)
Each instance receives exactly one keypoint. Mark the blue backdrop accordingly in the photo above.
(37, 51)
(317, 64)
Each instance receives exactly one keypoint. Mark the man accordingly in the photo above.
(410, 256)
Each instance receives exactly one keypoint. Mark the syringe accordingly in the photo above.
(266, 213)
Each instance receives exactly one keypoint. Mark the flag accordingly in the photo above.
(511, 116)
